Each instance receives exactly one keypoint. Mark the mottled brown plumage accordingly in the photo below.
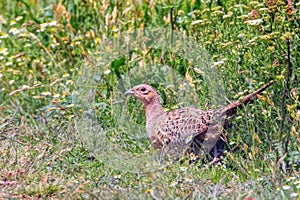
(186, 130)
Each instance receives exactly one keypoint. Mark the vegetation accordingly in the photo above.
(64, 135)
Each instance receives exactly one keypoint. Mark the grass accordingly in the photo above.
(67, 132)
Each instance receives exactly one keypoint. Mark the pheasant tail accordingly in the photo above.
(232, 108)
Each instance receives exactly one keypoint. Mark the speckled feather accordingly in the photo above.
(179, 123)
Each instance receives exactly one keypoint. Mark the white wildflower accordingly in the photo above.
(14, 31)
(294, 194)
(46, 93)
(174, 183)
(4, 51)
(286, 187)
(107, 71)
(19, 18)
(52, 23)
(4, 35)
(254, 22)
(183, 168)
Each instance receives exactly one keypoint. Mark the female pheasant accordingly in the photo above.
(186, 130)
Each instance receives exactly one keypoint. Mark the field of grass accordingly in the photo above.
(67, 132)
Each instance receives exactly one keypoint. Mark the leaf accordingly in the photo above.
(189, 79)
(256, 138)
(2, 20)
(265, 99)
(197, 22)
(116, 64)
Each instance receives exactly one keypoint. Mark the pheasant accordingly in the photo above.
(187, 130)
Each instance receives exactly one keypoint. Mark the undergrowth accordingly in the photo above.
(45, 48)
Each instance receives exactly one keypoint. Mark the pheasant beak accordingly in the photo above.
(129, 92)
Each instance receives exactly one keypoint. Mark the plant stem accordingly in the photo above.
(284, 96)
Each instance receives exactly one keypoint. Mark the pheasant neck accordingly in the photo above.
(153, 110)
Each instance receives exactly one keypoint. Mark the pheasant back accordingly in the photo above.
(184, 130)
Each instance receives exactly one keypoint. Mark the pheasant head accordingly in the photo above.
(150, 99)
(145, 93)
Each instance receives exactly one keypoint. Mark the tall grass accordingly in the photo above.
(45, 48)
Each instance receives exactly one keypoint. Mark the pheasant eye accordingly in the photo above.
(143, 90)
